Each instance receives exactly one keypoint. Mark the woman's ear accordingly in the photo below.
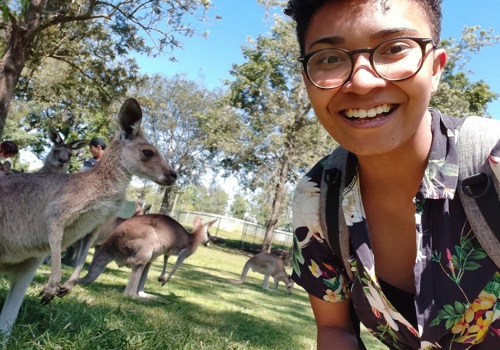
(304, 76)
(440, 58)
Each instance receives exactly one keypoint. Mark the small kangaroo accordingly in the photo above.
(46, 212)
(5, 168)
(57, 161)
(269, 265)
(139, 241)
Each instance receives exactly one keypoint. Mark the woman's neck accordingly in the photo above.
(403, 166)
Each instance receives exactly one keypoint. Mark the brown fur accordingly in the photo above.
(269, 265)
(46, 212)
(140, 240)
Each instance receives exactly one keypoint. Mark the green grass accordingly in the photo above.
(197, 309)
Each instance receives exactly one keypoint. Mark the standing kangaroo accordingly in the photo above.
(269, 265)
(46, 212)
(139, 241)
(57, 161)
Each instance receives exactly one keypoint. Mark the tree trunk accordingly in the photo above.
(277, 200)
(20, 36)
(165, 202)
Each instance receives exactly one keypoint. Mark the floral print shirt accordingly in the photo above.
(456, 305)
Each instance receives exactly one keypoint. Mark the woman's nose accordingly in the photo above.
(364, 78)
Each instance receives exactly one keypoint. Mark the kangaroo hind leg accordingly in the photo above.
(183, 254)
(20, 280)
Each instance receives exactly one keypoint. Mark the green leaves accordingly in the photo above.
(91, 43)
(451, 314)
(457, 95)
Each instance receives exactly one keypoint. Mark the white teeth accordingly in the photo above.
(363, 113)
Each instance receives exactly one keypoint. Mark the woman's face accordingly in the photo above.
(352, 25)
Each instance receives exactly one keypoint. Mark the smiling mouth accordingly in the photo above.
(365, 115)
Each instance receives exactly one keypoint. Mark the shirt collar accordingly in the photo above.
(441, 174)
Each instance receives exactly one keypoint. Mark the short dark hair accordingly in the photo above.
(302, 12)
(9, 148)
(97, 141)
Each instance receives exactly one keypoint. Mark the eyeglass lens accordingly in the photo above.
(395, 59)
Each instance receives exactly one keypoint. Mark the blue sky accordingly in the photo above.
(210, 59)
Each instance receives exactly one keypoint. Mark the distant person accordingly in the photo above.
(96, 146)
(8, 149)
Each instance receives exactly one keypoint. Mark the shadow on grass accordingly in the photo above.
(99, 316)
(245, 246)
(70, 321)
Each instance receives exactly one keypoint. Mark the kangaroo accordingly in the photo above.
(269, 265)
(57, 161)
(105, 231)
(98, 237)
(5, 168)
(46, 212)
(139, 241)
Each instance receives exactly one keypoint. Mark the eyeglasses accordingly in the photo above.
(394, 60)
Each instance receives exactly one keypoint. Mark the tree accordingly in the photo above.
(175, 113)
(200, 198)
(216, 201)
(281, 138)
(36, 29)
(238, 208)
(457, 95)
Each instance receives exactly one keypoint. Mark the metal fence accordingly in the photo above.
(244, 234)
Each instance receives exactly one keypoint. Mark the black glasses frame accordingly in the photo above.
(422, 42)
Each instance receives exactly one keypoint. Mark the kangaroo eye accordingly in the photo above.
(148, 153)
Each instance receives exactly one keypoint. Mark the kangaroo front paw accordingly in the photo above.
(47, 296)
(63, 290)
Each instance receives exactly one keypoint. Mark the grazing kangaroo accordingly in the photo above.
(139, 241)
(46, 212)
(269, 265)
(57, 161)
(5, 168)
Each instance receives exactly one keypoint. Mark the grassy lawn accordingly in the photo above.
(197, 309)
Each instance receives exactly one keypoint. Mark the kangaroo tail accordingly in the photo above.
(244, 273)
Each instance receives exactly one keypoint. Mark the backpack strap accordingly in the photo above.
(478, 187)
(334, 225)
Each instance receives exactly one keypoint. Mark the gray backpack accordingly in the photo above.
(478, 188)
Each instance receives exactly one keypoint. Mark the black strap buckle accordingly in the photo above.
(331, 176)
(476, 186)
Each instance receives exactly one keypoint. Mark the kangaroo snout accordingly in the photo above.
(168, 179)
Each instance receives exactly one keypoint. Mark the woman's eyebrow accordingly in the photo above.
(336, 40)
(391, 31)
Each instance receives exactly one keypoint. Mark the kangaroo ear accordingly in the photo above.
(54, 136)
(197, 221)
(130, 117)
(75, 145)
